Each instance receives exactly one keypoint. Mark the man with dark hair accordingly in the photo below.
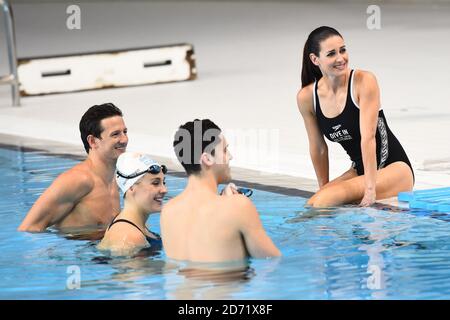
(87, 194)
(200, 225)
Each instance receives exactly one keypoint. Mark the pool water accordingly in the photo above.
(340, 253)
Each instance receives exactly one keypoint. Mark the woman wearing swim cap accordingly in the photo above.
(142, 181)
(344, 106)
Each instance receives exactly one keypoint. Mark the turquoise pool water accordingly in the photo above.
(341, 253)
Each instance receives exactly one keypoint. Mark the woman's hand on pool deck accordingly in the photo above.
(369, 198)
(229, 190)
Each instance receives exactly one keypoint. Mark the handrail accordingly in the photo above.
(11, 78)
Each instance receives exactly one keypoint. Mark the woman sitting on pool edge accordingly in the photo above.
(344, 105)
(142, 181)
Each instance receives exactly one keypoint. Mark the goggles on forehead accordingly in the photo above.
(153, 169)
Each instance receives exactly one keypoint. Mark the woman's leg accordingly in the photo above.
(347, 175)
(395, 178)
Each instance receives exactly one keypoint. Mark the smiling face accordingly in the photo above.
(333, 57)
(113, 139)
(149, 191)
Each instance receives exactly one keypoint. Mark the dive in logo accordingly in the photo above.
(339, 135)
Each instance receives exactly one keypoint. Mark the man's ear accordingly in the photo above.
(314, 59)
(206, 159)
(91, 141)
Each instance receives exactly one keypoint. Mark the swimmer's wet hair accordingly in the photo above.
(311, 72)
(90, 121)
(192, 139)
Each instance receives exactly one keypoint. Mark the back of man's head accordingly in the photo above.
(90, 121)
(194, 138)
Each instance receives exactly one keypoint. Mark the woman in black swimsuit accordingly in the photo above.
(142, 181)
(344, 106)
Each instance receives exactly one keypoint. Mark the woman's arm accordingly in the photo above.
(318, 149)
(369, 103)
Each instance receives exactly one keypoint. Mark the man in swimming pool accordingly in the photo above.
(200, 225)
(87, 194)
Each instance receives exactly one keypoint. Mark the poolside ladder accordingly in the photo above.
(11, 78)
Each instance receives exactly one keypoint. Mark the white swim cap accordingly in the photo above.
(132, 166)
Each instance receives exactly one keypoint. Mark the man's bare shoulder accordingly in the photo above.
(237, 206)
(172, 203)
(228, 205)
(79, 176)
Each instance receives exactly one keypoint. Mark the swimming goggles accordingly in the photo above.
(245, 191)
(153, 169)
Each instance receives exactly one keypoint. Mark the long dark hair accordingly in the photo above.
(311, 72)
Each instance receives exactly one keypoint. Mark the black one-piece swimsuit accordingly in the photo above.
(345, 130)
